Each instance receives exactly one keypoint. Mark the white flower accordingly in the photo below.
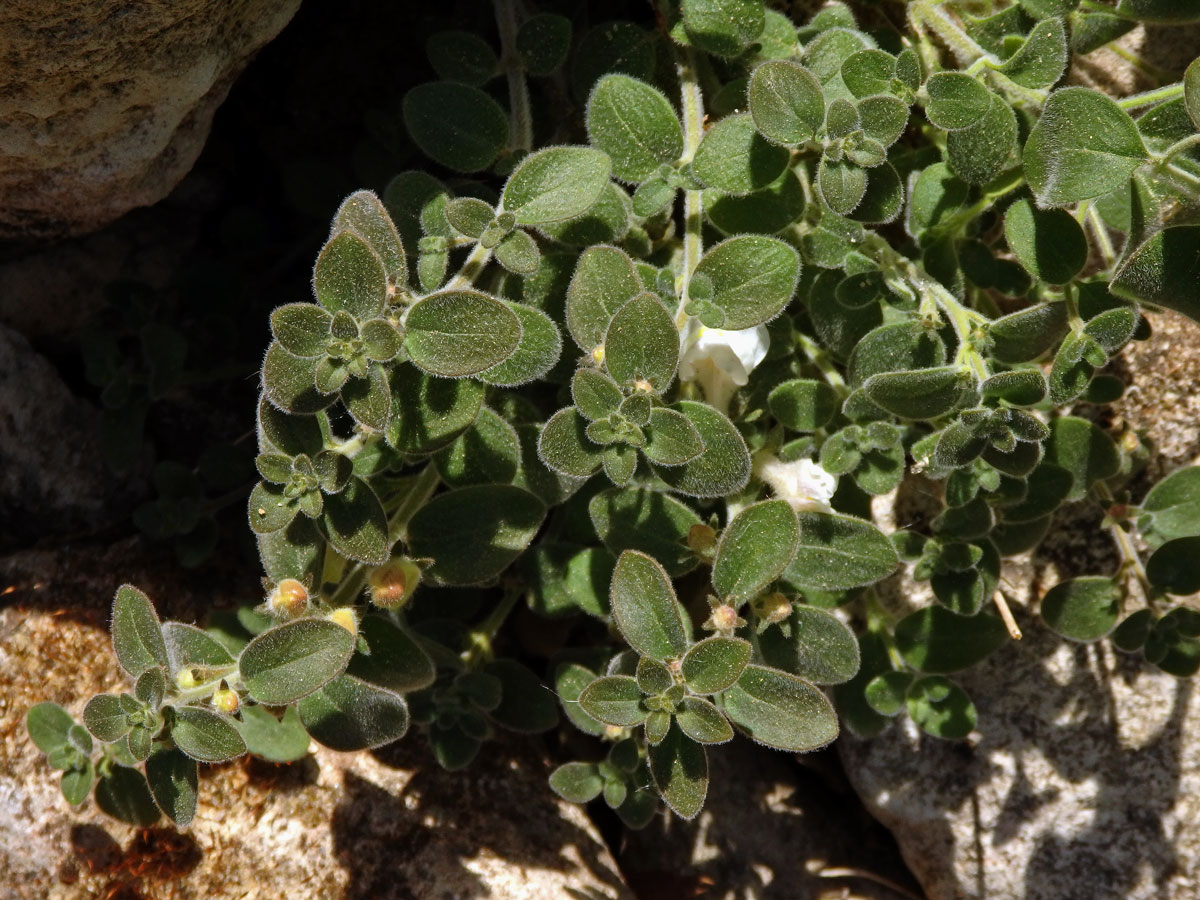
(802, 483)
(720, 361)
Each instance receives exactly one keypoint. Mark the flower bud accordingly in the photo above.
(598, 354)
(289, 598)
(185, 679)
(724, 618)
(346, 618)
(701, 539)
(226, 701)
(393, 583)
(773, 608)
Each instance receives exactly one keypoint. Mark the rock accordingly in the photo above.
(52, 479)
(105, 106)
(768, 826)
(388, 825)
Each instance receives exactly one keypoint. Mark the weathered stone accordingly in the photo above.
(388, 825)
(52, 479)
(105, 106)
(768, 828)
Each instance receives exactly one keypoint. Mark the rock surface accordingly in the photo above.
(104, 106)
(388, 826)
(52, 479)
(1084, 780)
(768, 827)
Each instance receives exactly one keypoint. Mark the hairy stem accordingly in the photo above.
(471, 268)
(520, 113)
(691, 102)
(1150, 98)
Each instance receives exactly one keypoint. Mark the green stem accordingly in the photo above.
(824, 362)
(1149, 98)
(692, 104)
(930, 14)
(479, 641)
(1187, 143)
(520, 112)
(416, 494)
(1100, 233)
(1131, 560)
(471, 268)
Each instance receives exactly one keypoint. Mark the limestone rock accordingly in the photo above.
(104, 106)
(767, 827)
(388, 825)
(52, 479)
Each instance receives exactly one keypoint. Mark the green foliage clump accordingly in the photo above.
(795, 265)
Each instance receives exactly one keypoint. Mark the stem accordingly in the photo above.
(962, 45)
(1147, 98)
(480, 639)
(1192, 140)
(821, 359)
(1131, 560)
(1014, 630)
(1100, 233)
(691, 101)
(520, 113)
(417, 493)
(471, 268)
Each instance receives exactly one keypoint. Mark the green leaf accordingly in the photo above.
(1164, 270)
(474, 533)
(980, 152)
(538, 350)
(645, 608)
(735, 158)
(780, 710)
(350, 276)
(289, 382)
(124, 795)
(1049, 243)
(935, 197)
(820, 647)
(302, 329)
(136, 632)
(1021, 387)
(611, 47)
(595, 394)
(48, 724)
(916, 394)
(723, 27)
(363, 213)
(956, 100)
(753, 278)
(1042, 58)
(174, 782)
(1175, 566)
(786, 102)
(577, 782)
(206, 736)
(1172, 507)
(883, 198)
(713, 664)
(887, 692)
(272, 739)
(457, 333)
(883, 118)
(395, 660)
(724, 466)
(428, 412)
(652, 522)
(891, 348)
(526, 706)
(351, 714)
(936, 640)
(288, 662)
(556, 184)
(369, 400)
(802, 404)
(604, 280)
(488, 452)
(462, 56)
(671, 438)
(868, 72)
(838, 552)
(614, 700)
(941, 707)
(1084, 450)
(1082, 609)
(755, 548)
(76, 784)
(1191, 91)
(292, 552)
(542, 43)
(356, 524)
(653, 677)
(764, 211)
(564, 446)
(1025, 335)
(703, 722)
(1084, 145)
(642, 343)
(519, 253)
(635, 125)
(679, 767)
(1159, 11)
(842, 184)
(105, 718)
(456, 125)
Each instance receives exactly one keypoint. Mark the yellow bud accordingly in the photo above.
(724, 618)
(701, 539)
(614, 732)
(346, 618)
(226, 700)
(185, 679)
(290, 598)
(643, 385)
(392, 584)
(773, 608)
(598, 354)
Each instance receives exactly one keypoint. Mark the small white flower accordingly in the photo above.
(720, 361)
(802, 483)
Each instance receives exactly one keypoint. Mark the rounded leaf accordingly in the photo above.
(351, 714)
(644, 606)
(1049, 243)
(635, 125)
(456, 125)
(713, 664)
(786, 102)
(206, 736)
(1082, 609)
(755, 548)
(457, 333)
(556, 184)
(780, 710)
(288, 662)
